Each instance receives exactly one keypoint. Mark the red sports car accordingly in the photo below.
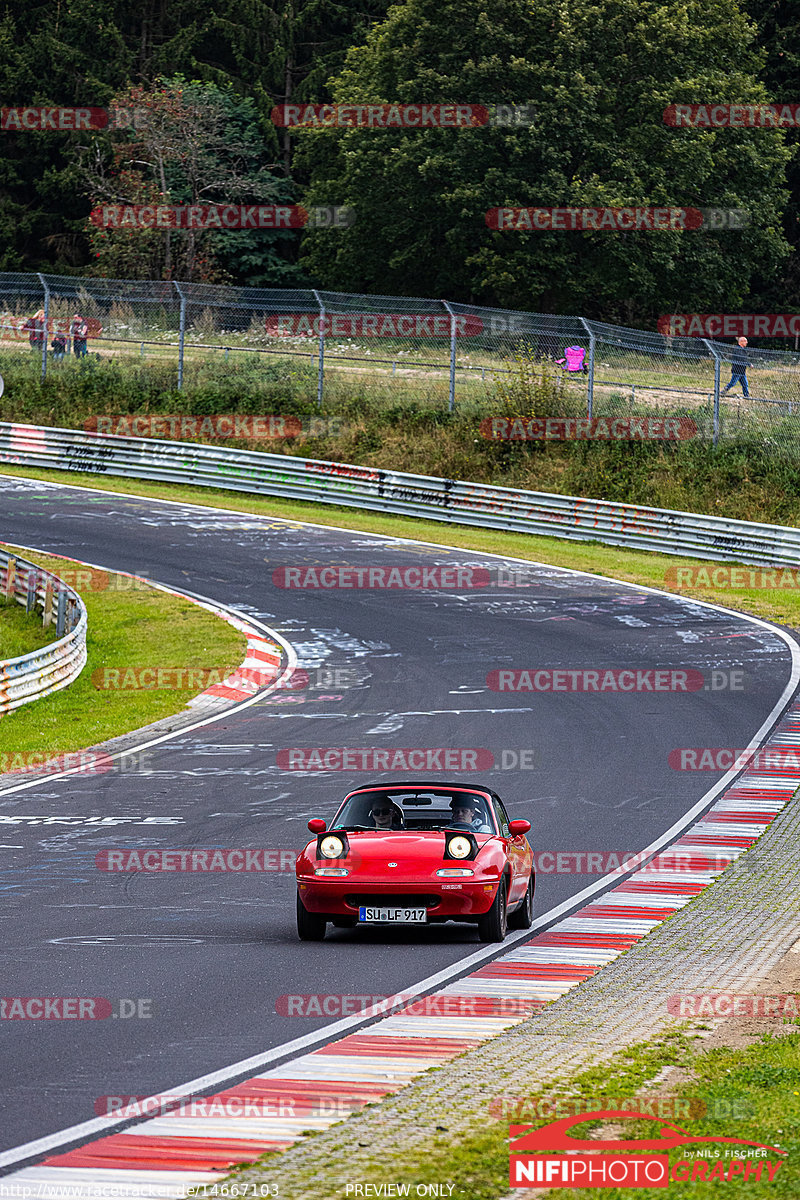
(414, 854)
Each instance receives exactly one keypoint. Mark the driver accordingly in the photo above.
(468, 813)
(384, 814)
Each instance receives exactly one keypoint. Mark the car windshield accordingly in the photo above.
(415, 809)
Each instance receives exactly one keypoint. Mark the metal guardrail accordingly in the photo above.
(31, 676)
(450, 500)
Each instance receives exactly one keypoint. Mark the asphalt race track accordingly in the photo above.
(213, 952)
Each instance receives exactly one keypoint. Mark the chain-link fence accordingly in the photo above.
(320, 347)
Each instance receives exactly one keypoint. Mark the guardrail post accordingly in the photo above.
(47, 607)
(30, 602)
(452, 399)
(61, 614)
(709, 346)
(11, 575)
(43, 282)
(590, 388)
(181, 335)
(321, 364)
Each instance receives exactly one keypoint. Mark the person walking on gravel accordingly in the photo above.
(739, 364)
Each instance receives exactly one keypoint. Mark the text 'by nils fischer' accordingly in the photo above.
(73, 1008)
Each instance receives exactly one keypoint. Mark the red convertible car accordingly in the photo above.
(415, 854)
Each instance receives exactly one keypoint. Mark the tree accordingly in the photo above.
(600, 73)
(778, 24)
(198, 144)
(82, 54)
(71, 55)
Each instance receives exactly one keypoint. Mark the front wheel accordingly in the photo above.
(310, 926)
(493, 926)
(522, 917)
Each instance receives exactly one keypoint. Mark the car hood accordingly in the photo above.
(405, 849)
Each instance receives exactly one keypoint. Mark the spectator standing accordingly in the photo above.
(78, 331)
(59, 346)
(739, 364)
(34, 327)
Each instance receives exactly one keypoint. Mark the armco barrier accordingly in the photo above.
(450, 500)
(56, 665)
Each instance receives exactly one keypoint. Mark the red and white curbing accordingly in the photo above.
(164, 1156)
(260, 668)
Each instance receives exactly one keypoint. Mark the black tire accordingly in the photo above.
(522, 917)
(310, 926)
(493, 926)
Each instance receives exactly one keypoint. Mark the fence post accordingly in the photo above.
(452, 400)
(181, 335)
(321, 361)
(43, 282)
(590, 389)
(709, 346)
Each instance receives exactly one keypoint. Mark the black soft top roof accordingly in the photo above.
(427, 784)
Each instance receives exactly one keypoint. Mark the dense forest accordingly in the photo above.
(597, 76)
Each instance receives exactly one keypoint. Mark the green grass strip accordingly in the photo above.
(21, 632)
(128, 630)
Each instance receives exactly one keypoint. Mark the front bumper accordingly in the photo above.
(443, 900)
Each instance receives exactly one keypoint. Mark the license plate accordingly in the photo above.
(393, 916)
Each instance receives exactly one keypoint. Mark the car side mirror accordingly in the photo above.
(517, 828)
(317, 825)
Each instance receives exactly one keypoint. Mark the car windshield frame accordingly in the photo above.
(358, 819)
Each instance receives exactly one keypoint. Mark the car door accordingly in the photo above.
(518, 852)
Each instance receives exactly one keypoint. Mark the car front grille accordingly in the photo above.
(393, 899)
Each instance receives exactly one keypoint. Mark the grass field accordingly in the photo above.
(21, 632)
(128, 630)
